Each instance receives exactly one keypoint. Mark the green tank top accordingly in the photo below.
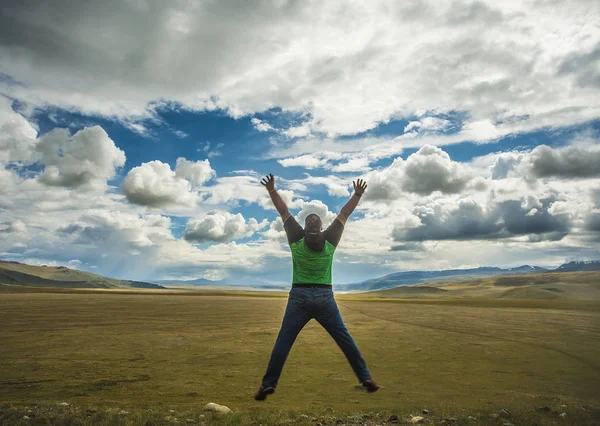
(310, 266)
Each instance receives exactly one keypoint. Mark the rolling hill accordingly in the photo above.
(20, 274)
(567, 286)
(408, 278)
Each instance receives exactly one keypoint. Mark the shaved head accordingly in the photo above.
(312, 223)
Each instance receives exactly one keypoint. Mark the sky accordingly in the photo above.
(134, 134)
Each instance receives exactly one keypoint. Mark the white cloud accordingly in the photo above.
(428, 124)
(319, 208)
(17, 135)
(336, 186)
(154, 184)
(431, 169)
(212, 153)
(221, 226)
(261, 126)
(495, 61)
(428, 170)
(88, 159)
(197, 172)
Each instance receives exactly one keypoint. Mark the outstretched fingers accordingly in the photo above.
(267, 179)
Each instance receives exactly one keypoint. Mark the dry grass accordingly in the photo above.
(149, 349)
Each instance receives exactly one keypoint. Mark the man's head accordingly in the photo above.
(312, 224)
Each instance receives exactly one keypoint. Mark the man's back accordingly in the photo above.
(312, 265)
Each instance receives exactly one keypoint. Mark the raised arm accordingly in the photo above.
(269, 183)
(359, 190)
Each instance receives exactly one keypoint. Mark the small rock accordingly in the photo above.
(563, 415)
(472, 418)
(304, 416)
(425, 411)
(123, 412)
(172, 411)
(494, 416)
(416, 419)
(202, 416)
(190, 421)
(221, 409)
(354, 418)
(544, 409)
(504, 413)
(29, 411)
(172, 419)
(393, 419)
(25, 417)
(63, 404)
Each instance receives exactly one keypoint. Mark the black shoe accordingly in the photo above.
(370, 385)
(263, 391)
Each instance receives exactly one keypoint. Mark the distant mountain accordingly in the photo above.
(592, 265)
(199, 281)
(21, 274)
(416, 277)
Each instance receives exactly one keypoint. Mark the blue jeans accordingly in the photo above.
(305, 303)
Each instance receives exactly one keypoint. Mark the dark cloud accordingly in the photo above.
(411, 246)
(584, 66)
(596, 197)
(574, 161)
(592, 222)
(470, 221)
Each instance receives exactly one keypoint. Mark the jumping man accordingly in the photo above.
(311, 295)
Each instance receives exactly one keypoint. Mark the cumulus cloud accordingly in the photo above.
(221, 227)
(87, 159)
(319, 208)
(17, 135)
(431, 169)
(470, 221)
(154, 184)
(573, 161)
(110, 229)
(197, 172)
(505, 165)
(428, 170)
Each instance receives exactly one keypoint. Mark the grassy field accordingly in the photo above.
(145, 350)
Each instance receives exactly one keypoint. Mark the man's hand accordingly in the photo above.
(360, 186)
(269, 182)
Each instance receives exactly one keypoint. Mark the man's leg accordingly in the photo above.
(330, 318)
(294, 320)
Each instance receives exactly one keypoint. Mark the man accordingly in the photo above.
(311, 295)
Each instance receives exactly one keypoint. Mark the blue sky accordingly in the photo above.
(137, 151)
